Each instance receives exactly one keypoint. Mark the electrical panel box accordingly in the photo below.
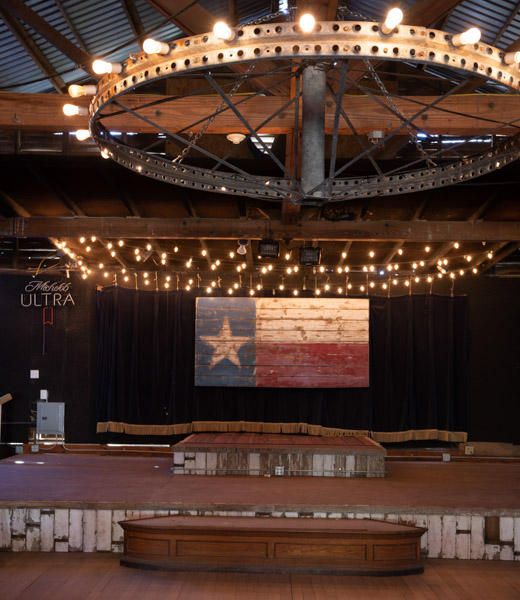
(50, 418)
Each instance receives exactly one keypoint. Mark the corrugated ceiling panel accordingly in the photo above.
(489, 16)
(104, 28)
(17, 66)
(155, 23)
(375, 10)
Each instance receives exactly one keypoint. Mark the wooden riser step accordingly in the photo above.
(272, 545)
(274, 454)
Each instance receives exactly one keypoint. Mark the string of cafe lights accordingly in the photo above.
(354, 279)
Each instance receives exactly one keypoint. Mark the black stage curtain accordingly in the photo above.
(418, 369)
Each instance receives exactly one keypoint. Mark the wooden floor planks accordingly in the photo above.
(39, 576)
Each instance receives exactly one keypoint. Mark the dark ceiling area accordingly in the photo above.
(65, 208)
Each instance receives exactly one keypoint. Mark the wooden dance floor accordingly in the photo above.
(66, 479)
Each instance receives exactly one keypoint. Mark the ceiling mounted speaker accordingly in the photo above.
(310, 255)
(268, 249)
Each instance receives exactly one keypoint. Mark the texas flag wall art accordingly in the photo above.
(282, 342)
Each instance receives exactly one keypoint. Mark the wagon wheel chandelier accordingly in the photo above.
(312, 59)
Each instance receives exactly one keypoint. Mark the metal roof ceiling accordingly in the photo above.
(103, 29)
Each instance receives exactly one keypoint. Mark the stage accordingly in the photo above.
(73, 502)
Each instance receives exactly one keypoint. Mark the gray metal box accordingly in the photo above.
(50, 418)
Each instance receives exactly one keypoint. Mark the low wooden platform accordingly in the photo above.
(280, 455)
(273, 545)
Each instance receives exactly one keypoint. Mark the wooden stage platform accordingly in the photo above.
(282, 455)
(74, 502)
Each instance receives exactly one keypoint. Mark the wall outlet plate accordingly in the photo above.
(469, 450)
(35, 448)
(446, 457)
(279, 470)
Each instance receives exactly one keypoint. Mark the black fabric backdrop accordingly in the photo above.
(418, 368)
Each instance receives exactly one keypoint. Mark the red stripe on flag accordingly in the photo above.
(312, 365)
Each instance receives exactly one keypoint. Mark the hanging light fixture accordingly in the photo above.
(242, 247)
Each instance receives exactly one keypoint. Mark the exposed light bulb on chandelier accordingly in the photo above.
(71, 110)
(102, 66)
(82, 134)
(511, 58)
(75, 91)
(223, 31)
(307, 23)
(471, 36)
(151, 46)
(393, 18)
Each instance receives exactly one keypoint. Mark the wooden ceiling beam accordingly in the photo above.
(44, 112)
(223, 229)
(59, 41)
(133, 18)
(30, 46)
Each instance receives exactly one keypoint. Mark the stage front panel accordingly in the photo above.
(282, 342)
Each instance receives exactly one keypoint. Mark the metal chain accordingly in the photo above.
(286, 12)
(408, 127)
(344, 10)
(193, 138)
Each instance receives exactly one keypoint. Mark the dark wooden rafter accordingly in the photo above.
(71, 205)
(358, 214)
(133, 18)
(416, 214)
(70, 25)
(59, 41)
(476, 215)
(192, 212)
(233, 12)
(29, 45)
(226, 229)
(500, 252)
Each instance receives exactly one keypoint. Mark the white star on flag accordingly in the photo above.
(228, 344)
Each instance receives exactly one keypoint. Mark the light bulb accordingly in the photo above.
(456, 245)
(75, 91)
(344, 255)
(511, 58)
(231, 255)
(102, 66)
(317, 292)
(307, 23)
(371, 254)
(136, 251)
(295, 292)
(340, 270)
(104, 153)
(208, 290)
(471, 36)
(251, 292)
(400, 252)
(120, 243)
(176, 249)
(166, 285)
(223, 31)
(82, 240)
(230, 291)
(362, 288)
(393, 18)
(151, 46)
(71, 110)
